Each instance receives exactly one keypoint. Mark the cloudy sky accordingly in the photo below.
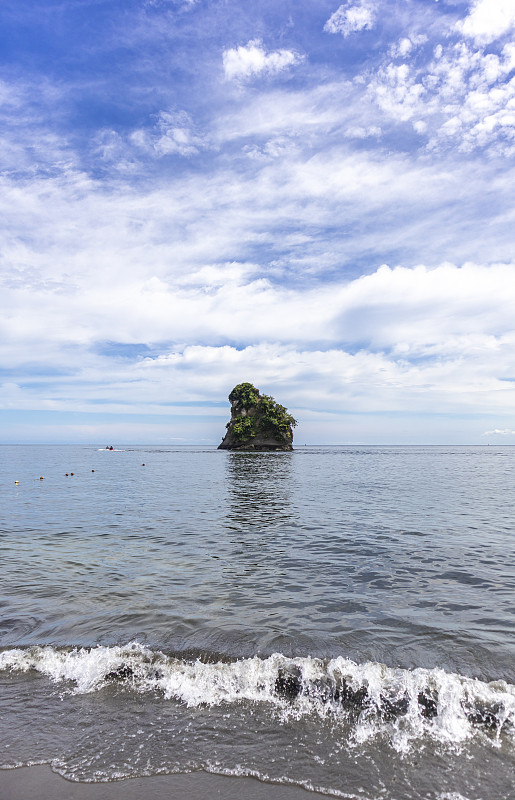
(314, 197)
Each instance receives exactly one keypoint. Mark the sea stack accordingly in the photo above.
(257, 422)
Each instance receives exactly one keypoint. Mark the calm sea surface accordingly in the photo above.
(342, 618)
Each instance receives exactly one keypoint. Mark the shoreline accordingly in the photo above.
(40, 781)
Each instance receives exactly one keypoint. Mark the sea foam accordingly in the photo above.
(402, 705)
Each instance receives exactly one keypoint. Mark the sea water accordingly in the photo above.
(341, 618)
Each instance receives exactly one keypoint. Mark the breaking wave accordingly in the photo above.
(374, 699)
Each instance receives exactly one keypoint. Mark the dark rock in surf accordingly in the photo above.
(122, 673)
(349, 697)
(391, 708)
(428, 705)
(482, 716)
(257, 422)
(288, 686)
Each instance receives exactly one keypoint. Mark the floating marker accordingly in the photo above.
(72, 473)
(142, 465)
(92, 470)
(16, 482)
(41, 479)
(66, 474)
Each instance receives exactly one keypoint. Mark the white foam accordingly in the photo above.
(452, 796)
(383, 701)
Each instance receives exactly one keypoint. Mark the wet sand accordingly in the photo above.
(40, 782)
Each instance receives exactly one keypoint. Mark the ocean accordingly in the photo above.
(337, 618)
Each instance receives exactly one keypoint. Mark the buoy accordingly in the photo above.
(66, 474)
(41, 479)
(92, 470)
(72, 473)
(142, 465)
(16, 481)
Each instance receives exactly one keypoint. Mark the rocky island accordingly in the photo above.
(257, 422)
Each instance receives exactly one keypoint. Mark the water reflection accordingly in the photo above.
(259, 489)
(254, 556)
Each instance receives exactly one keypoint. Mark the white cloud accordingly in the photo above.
(276, 147)
(181, 4)
(352, 17)
(173, 133)
(358, 132)
(271, 215)
(500, 432)
(488, 20)
(398, 92)
(147, 267)
(420, 339)
(244, 264)
(402, 48)
(252, 60)
(406, 45)
(11, 396)
(461, 98)
(299, 115)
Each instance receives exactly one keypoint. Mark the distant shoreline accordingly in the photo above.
(298, 446)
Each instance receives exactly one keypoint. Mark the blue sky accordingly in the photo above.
(313, 196)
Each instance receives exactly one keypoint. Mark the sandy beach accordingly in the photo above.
(41, 782)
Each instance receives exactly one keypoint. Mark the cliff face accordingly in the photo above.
(257, 422)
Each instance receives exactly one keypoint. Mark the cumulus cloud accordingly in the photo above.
(397, 338)
(407, 45)
(250, 60)
(119, 268)
(352, 17)
(462, 97)
(488, 20)
(500, 432)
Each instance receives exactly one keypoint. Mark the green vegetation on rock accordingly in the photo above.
(275, 417)
(244, 428)
(244, 394)
(257, 422)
